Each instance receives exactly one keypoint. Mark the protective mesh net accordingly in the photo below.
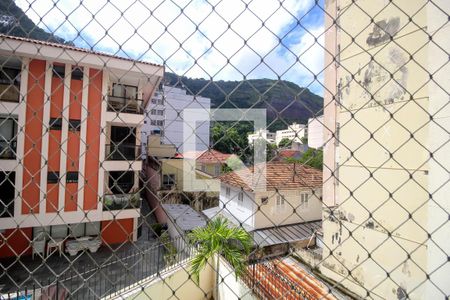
(224, 149)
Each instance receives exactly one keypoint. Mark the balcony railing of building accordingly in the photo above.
(125, 105)
(8, 149)
(9, 92)
(121, 201)
(123, 152)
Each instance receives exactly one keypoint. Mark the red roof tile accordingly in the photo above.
(73, 48)
(279, 175)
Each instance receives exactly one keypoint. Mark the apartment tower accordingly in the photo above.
(70, 123)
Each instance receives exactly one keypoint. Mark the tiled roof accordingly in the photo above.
(289, 153)
(73, 48)
(279, 175)
(207, 156)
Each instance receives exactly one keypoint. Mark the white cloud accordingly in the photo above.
(223, 39)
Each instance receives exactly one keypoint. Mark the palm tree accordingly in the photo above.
(220, 237)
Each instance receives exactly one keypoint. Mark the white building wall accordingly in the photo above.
(294, 132)
(261, 133)
(315, 132)
(175, 101)
(242, 212)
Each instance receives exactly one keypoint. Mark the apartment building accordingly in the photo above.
(295, 132)
(386, 183)
(268, 136)
(164, 115)
(70, 123)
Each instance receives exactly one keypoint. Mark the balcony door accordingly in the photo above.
(121, 182)
(8, 134)
(7, 194)
(123, 143)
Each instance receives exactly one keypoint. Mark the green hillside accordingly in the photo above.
(285, 101)
(13, 21)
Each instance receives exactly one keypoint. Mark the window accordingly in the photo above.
(52, 177)
(304, 199)
(55, 123)
(59, 71)
(72, 177)
(8, 133)
(203, 168)
(227, 191)
(241, 198)
(125, 91)
(160, 122)
(77, 73)
(280, 200)
(9, 84)
(157, 112)
(121, 182)
(7, 192)
(264, 200)
(74, 125)
(169, 179)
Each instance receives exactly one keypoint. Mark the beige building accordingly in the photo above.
(315, 132)
(386, 175)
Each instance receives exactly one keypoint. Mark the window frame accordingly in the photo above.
(304, 200)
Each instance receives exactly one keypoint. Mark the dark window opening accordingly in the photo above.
(8, 137)
(121, 182)
(72, 177)
(52, 177)
(55, 123)
(74, 125)
(7, 192)
(59, 71)
(77, 73)
(9, 84)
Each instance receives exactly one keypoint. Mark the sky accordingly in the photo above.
(222, 40)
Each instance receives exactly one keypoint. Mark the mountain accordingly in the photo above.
(13, 21)
(283, 99)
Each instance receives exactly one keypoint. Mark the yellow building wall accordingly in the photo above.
(383, 188)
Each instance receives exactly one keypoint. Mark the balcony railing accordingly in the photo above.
(125, 105)
(123, 152)
(121, 201)
(8, 149)
(9, 92)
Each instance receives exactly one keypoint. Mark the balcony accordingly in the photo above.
(123, 152)
(121, 201)
(125, 105)
(9, 92)
(8, 149)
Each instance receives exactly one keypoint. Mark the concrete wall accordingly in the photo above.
(385, 171)
(232, 288)
(178, 281)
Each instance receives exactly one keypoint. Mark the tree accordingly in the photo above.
(285, 142)
(312, 157)
(219, 237)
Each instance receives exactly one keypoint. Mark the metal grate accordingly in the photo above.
(224, 149)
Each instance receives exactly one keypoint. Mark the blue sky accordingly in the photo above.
(153, 30)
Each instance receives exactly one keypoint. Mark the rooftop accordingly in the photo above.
(4, 37)
(279, 175)
(184, 216)
(207, 156)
